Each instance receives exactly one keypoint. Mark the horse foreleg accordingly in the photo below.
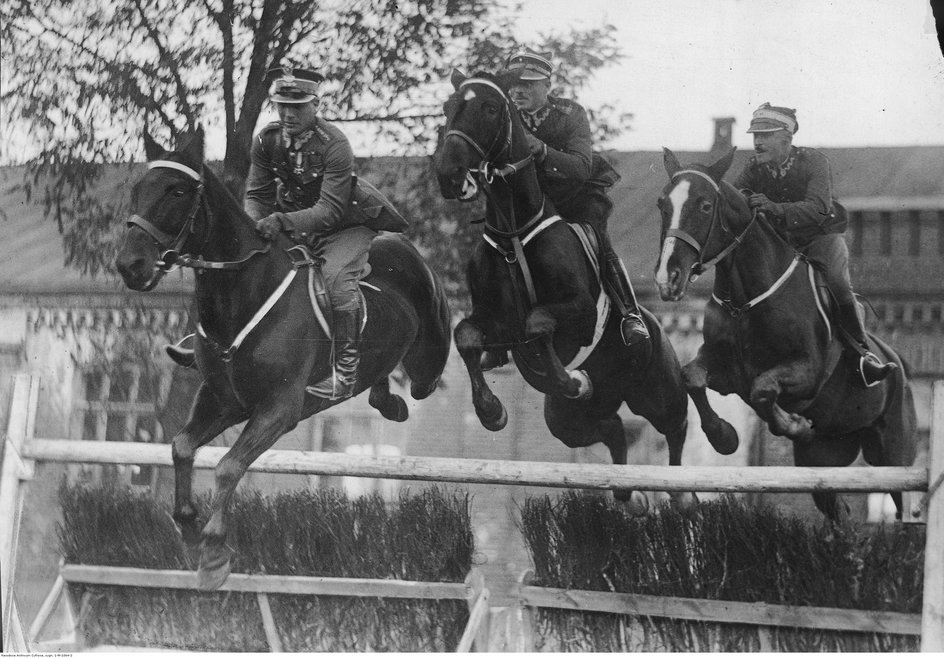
(720, 433)
(540, 325)
(260, 433)
(207, 420)
(470, 342)
(766, 390)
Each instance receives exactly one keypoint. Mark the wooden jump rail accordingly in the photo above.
(472, 591)
(21, 450)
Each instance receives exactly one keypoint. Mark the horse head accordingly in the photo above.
(166, 204)
(696, 207)
(482, 136)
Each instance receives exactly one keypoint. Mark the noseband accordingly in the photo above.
(168, 244)
(701, 265)
(501, 145)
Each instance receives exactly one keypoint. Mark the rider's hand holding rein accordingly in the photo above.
(761, 203)
(271, 225)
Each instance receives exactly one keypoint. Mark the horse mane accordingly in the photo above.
(223, 196)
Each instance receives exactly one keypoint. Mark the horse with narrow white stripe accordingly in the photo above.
(767, 335)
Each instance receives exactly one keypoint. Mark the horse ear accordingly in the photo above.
(720, 167)
(191, 146)
(457, 78)
(671, 162)
(152, 150)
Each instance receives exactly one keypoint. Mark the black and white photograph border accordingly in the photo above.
(207, 449)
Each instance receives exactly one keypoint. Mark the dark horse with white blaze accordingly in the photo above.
(535, 292)
(259, 342)
(767, 333)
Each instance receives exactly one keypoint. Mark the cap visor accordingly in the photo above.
(279, 98)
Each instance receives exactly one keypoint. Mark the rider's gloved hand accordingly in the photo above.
(538, 148)
(270, 225)
(761, 203)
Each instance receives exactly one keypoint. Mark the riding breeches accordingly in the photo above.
(591, 207)
(831, 256)
(345, 263)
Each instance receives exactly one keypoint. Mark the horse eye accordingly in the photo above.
(660, 202)
(706, 206)
(179, 192)
(491, 108)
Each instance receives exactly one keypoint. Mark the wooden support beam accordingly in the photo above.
(731, 612)
(932, 626)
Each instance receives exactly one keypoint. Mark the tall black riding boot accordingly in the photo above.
(340, 384)
(871, 368)
(182, 356)
(632, 327)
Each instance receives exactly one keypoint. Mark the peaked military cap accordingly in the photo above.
(530, 66)
(293, 85)
(768, 118)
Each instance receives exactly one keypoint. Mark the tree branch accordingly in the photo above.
(165, 59)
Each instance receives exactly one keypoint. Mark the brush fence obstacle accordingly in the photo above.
(22, 449)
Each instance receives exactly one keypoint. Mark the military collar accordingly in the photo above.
(781, 170)
(533, 120)
(295, 143)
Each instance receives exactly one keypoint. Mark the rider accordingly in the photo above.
(300, 183)
(572, 176)
(792, 186)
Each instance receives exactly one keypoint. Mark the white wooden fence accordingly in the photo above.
(22, 449)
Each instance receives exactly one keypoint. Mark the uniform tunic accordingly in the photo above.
(802, 188)
(566, 173)
(309, 179)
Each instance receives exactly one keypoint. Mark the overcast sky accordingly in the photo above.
(859, 72)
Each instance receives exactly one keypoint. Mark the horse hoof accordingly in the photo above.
(582, 386)
(723, 438)
(214, 567)
(492, 423)
(635, 502)
(394, 409)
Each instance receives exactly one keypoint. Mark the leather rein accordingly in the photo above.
(170, 246)
(701, 265)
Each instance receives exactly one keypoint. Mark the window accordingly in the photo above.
(119, 404)
(914, 233)
(885, 226)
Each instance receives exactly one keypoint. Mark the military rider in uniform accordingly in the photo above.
(300, 183)
(572, 176)
(792, 187)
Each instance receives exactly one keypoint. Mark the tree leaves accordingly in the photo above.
(83, 79)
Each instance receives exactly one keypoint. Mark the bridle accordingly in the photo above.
(169, 246)
(717, 219)
(500, 146)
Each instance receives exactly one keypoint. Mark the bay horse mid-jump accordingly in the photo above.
(259, 340)
(535, 292)
(767, 333)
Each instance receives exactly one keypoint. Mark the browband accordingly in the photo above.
(481, 81)
(697, 173)
(169, 164)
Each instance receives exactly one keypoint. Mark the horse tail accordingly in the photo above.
(425, 359)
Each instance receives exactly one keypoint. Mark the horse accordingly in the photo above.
(767, 333)
(533, 292)
(259, 341)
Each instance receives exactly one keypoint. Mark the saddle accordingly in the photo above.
(318, 292)
(591, 248)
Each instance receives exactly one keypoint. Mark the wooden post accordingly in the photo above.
(932, 614)
(14, 469)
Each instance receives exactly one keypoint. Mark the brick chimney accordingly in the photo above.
(722, 142)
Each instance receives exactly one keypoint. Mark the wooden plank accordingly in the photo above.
(13, 469)
(490, 471)
(731, 612)
(46, 609)
(477, 616)
(269, 584)
(932, 614)
(268, 623)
